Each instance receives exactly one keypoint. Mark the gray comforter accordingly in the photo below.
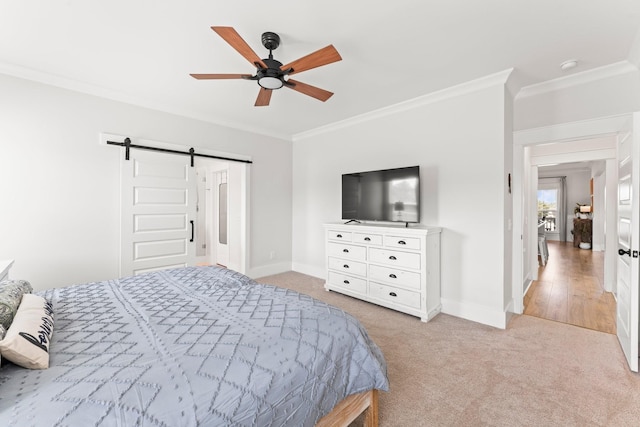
(199, 346)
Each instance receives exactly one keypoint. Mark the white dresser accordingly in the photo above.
(395, 267)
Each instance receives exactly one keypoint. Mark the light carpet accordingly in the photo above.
(453, 372)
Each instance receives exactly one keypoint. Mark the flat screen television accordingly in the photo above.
(383, 195)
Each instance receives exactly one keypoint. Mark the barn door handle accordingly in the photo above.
(622, 252)
(192, 231)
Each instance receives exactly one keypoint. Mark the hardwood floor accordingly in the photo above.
(569, 289)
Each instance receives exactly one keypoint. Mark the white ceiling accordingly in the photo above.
(142, 51)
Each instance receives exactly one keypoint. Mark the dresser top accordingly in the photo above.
(384, 228)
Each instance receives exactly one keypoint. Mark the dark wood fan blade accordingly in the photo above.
(264, 97)
(321, 57)
(232, 37)
(312, 91)
(219, 76)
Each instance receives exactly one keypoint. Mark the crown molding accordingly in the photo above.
(499, 78)
(102, 92)
(611, 70)
(634, 52)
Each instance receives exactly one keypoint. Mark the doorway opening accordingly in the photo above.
(570, 286)
(617, 140)
(549, 152)
(221, 211)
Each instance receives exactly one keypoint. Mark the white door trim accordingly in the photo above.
(524, 230)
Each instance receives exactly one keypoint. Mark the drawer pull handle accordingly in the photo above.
(393, 276)
(346, 266)
(392, 258)
(346, 282)
(339, 236)
(393, 294)
(366, 239)
(402, 242)
(345, 251)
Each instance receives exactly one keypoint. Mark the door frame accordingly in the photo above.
(524, 230)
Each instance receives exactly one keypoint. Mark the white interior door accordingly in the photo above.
(627, 265)
(158, 210)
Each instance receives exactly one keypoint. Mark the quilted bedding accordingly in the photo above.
(197, 346)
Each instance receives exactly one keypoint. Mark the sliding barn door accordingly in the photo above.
(158, 211)
(628, 233)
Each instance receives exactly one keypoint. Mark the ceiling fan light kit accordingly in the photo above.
(270, 73)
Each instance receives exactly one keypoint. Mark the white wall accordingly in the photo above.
(60, 188)
(578, 190)
(507, 190)
(459, 145)
(581, 99)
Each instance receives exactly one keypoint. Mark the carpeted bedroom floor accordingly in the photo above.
(453, 372)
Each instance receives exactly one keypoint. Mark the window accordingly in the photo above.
(548, 208)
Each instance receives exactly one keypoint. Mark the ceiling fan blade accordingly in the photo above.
(312, 91)
(233, 38)
(219, 76)
(321, 57)
(264, 96)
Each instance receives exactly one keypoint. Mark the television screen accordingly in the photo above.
(383, 195)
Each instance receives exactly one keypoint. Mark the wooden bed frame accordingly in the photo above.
(350, 408)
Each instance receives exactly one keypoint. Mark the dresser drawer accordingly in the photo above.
(339, 235)
(342, 250)
(345, 281)
(348, 266)
(393, 276)
(369, 239)
(395, 258)
(395, 295)
(402, 242)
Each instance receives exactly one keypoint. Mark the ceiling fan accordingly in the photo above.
(270, 73)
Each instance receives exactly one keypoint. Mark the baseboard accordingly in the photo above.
(597, 247)
(269, 270)
(309, 270)
(510, 306)
(475, 313)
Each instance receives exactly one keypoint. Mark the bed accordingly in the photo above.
(195, 346)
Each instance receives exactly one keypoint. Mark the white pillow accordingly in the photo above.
(27, 340)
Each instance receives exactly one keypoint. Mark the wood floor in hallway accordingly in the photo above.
(570, 289)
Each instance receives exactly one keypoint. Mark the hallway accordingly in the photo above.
(569, 289)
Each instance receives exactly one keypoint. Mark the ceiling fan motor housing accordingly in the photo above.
(270, 40)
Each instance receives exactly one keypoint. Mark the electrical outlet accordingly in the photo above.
(272, 254)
